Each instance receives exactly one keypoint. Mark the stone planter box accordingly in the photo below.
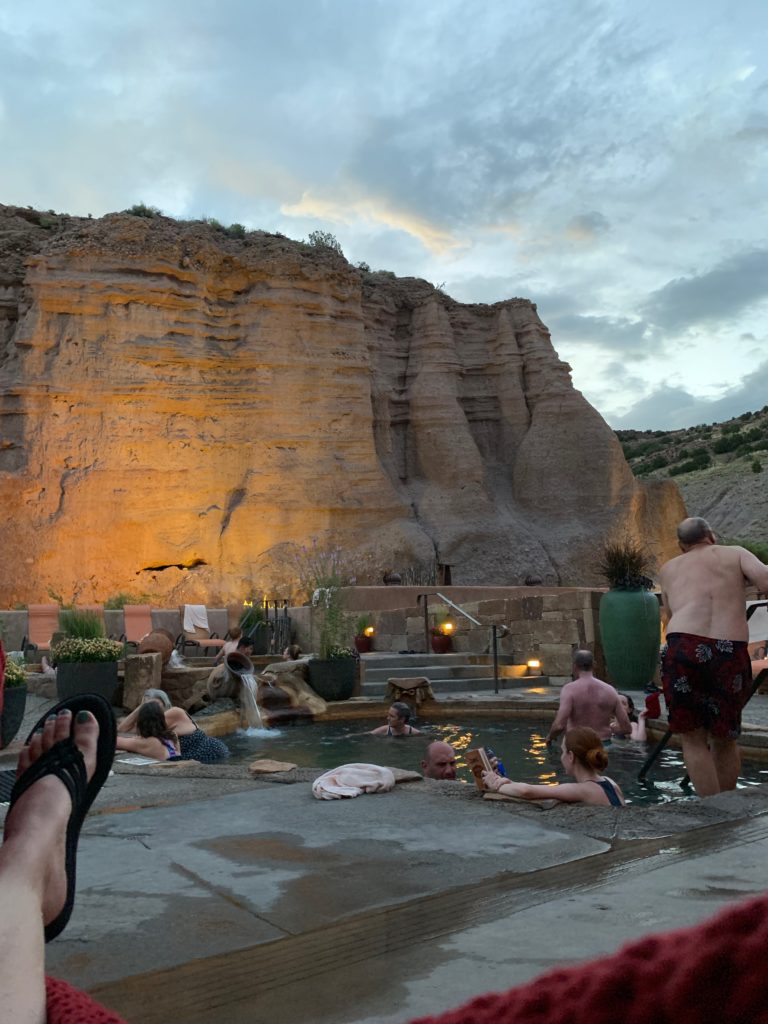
(14, 705)
(333, 679)
(77, 677)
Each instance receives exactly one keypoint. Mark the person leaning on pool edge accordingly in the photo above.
(584, 758)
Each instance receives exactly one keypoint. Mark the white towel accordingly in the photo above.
(353, 780)
(195, 615)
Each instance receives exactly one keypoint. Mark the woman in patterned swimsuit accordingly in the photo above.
(194, 744)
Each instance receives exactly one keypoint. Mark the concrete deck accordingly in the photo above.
(206, 896)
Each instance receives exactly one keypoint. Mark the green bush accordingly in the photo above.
(324, 240)
(80, 648)
(726, 443)
(85, 625)
(236, 231)
(757, 466)
(142, 210)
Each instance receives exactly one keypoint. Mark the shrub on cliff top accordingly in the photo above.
(142, 210)
(325, 240)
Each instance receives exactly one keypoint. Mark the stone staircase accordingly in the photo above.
(447, 673)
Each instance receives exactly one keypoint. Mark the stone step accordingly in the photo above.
(378, 688)
(443, 672)
(376, 660)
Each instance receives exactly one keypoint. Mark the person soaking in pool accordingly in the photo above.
(154, 738)
(194, 743)
(584, 758)
(398, 722)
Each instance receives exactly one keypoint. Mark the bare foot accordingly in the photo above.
(37, 825)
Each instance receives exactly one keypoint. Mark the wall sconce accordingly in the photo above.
(534, 666)
(369, 631)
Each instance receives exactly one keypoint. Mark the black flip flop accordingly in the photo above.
(65, 761)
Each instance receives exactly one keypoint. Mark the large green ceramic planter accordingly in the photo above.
(630, 630)
(75, 677)
(333, 679)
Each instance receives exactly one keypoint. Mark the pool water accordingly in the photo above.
(519, 744)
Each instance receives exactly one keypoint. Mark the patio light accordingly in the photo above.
(369, 631)
(446, 627)
(533, 665)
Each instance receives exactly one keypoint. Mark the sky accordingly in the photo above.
(607, 159)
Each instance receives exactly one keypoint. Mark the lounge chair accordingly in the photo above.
(42, 623)
(195, 631)
(137, 622)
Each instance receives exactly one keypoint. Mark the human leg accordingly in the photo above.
(33, 884)
(727, 760)
(700, 762)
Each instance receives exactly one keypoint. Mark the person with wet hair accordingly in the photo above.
(292, 653)
(636, 721)
(398, 722)
(705, 668)
(585, 759)
(588, 701)
(439, 762)
(155, 739)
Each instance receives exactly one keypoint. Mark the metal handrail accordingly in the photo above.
(496, 629)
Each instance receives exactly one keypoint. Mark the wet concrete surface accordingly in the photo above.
(207, 896)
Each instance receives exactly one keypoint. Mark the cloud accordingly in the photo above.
(381, 212)
(587, 226)
(720, 294)
(670, 408)
(610, 332)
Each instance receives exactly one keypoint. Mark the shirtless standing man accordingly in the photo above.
(589, 701)
(705, 668)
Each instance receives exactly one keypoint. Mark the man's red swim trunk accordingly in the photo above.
(706, 683)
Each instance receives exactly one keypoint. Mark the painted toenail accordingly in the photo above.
(82, 716)
(51, 718)
(39, 732)
(64, 711)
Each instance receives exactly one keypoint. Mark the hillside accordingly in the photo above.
(720, 468)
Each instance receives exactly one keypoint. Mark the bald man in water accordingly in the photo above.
(440, 761)
(589, 701)
(705, 669)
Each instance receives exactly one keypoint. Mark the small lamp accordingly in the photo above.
(446, 628)
(369, 631)
(534, 666)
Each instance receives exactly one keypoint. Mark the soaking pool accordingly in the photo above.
(520, 745)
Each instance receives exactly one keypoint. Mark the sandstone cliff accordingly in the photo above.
(176, 405)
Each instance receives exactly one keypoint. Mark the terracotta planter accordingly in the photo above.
(441, 644)
(363, 644)
(77, 677)
(14, 704)
(334, 678)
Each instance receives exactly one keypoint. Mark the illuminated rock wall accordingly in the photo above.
(176, 405)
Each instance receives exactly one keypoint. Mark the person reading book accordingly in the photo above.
(584, 758)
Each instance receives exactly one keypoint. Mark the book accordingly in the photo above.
(477, 762)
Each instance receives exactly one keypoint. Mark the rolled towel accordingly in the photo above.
(353, 780)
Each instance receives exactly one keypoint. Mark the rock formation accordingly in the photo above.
(177, 405)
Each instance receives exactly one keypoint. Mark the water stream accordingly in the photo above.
(248, 700)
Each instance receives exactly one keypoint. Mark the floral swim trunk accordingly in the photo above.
(706, 683)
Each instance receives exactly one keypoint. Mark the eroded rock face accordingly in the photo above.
(177, 405)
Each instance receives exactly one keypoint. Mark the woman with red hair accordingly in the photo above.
(584, 759)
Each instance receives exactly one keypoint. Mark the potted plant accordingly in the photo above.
(364, 633)
(630, 617)
(254, 625)
(86, 660)
(14, 700)
(440, 637)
